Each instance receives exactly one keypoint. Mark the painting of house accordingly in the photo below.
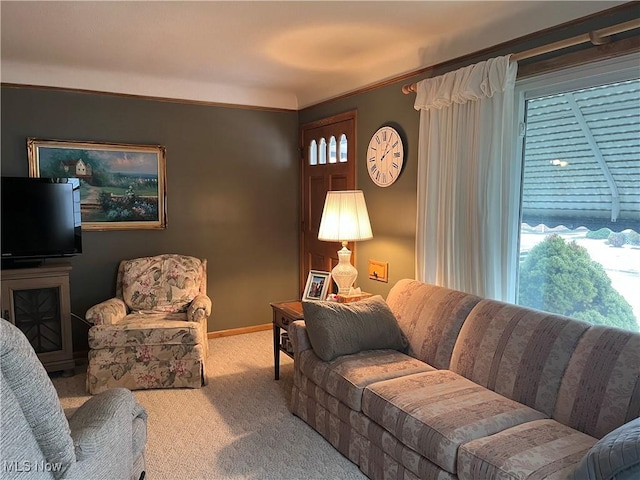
(77, 168)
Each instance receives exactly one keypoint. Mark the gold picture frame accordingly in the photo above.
(122, 186)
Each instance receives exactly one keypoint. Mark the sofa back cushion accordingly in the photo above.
(600, 390)
(518, 352)
(430, 318)
(164, 283)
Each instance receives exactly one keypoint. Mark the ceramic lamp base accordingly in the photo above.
(344, 274)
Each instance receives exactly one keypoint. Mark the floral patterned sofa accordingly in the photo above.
(478, 389)
(153, 334)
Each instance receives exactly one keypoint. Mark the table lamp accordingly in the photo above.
(344, 219)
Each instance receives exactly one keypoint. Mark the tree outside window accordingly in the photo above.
(580, 240)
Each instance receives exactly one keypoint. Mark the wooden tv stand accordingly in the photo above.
(37, 300)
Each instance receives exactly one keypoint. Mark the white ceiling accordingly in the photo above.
(284, 54)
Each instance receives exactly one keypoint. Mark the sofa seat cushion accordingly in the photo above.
(436, 412)
(141, 329)
(346, 377)
(535, 450)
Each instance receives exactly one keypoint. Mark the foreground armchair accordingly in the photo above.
(153, 334)
(104, 439)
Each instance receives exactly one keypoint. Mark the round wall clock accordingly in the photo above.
(385, 156)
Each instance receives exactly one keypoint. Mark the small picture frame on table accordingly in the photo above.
(317, 285)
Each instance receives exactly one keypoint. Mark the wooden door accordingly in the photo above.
(328, 163)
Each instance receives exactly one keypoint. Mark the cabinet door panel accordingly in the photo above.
(37, 301)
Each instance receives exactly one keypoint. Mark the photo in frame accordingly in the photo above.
(317, 285)
(122, 186)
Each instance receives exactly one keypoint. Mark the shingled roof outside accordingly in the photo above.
(582, 158)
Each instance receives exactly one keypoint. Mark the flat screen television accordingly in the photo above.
(40, 218)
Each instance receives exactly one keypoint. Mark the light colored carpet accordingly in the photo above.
(237, 427)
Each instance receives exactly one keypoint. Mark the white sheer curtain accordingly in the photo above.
(468, 180)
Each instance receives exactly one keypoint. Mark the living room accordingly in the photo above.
(233, 181)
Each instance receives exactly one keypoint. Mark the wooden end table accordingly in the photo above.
(283, 314)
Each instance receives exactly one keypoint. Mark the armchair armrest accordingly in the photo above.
(199, 309)
(108, 312)
(102, 433)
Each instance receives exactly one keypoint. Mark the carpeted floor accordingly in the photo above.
(237, 427)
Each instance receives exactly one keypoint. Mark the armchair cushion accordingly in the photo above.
(143, 329)
(163, 283)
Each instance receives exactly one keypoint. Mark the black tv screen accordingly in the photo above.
(40, 218)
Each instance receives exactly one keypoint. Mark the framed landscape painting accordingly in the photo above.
(122, 186)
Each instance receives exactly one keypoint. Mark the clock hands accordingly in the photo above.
(389, 147)
(384, 154)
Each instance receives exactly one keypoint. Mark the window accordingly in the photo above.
(580, 230)
(322, 151)
(343, 148)
(333, 150)
(313, 153)
(337, 150)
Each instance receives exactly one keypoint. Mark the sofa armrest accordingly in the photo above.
(108, 312)
(199, 309)
(102, 433)
(299, 338)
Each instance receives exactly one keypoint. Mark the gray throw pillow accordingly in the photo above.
(616, 456)
(337, 329)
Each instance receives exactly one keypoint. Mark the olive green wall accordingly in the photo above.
(232, 193)
(392, 210)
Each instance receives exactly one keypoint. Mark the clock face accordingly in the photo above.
(385, 156)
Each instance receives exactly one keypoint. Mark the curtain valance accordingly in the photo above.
(470, 83)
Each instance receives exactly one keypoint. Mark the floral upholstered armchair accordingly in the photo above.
(153, 334)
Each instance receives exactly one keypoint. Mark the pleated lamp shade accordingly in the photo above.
(344, 219)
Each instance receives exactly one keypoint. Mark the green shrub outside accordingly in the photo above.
(562, 278)
(616, 239)
(601, 234)
(633, 238)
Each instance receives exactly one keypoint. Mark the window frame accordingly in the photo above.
(592, 74)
